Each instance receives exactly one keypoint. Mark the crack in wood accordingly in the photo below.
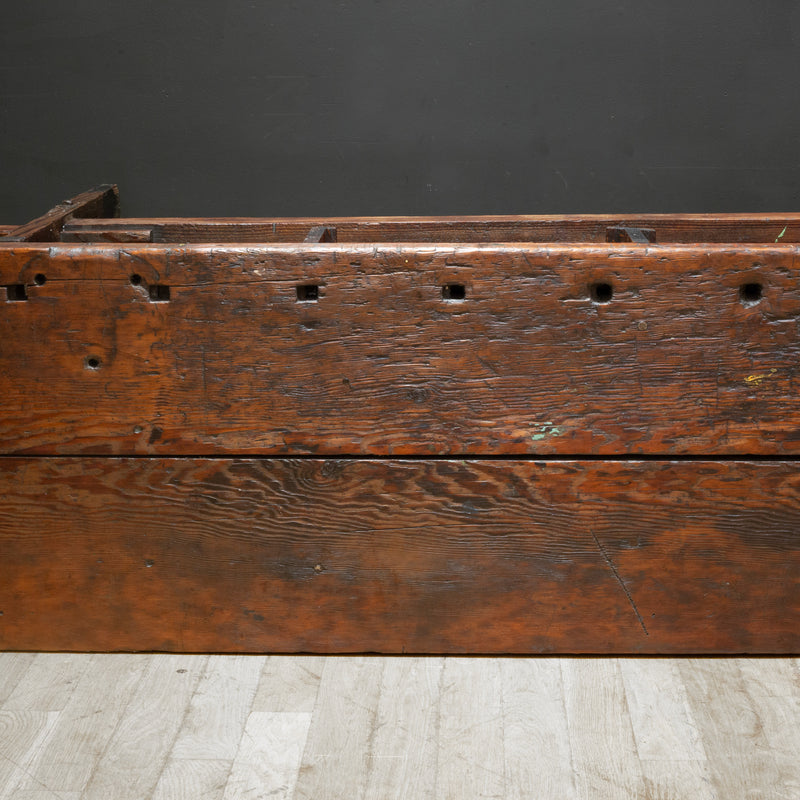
(619, 580)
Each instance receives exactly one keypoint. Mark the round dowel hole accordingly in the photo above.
(601, 292)
(751, 293)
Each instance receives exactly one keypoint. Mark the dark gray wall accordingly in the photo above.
(414, 107)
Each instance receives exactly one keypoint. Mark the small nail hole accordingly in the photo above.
(40, 279)
(159, 293)
(601, 292)
(751, 293)
(454, 291)
(136, 279)
(308, 293)
(16, 292)
(93, 362)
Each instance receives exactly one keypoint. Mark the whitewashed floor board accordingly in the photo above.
(165, 727)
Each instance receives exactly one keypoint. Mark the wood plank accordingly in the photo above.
(729, 721)
(338, 751)
(552, 350)
(399, 556)
(536, 744)
(774, 689)
(13, 667)
(289, 683)
(102, 201)
(85, 726)
(674, 228)
(23, 736)
(49, 682)
(470, 758)
(406, 728)
(668, 743)
(140, 745)
(604, 758)
(268, 760)
(190, 779)
(211, 729)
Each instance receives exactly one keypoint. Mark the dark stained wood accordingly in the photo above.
(392, 556)
(696, 353)
(672, 228)
(102, 201)
(6, 229)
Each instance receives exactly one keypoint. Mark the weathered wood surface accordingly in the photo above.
(103, 201)
(158, 349)
(441, 556)
(674, 228)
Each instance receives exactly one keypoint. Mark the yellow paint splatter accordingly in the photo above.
(755, 380)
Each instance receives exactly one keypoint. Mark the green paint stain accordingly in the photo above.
(548, 429)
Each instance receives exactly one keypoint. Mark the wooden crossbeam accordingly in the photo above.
(102, 201)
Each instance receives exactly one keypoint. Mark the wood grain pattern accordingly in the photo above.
(678, 362)
(339, 745)
(740, 762)
(604, 756)
(536, 742)
(94, 708)
(141, 742)
(685, 228)
(394, 556)
(402, 763)
(719, 749)
(102, 201)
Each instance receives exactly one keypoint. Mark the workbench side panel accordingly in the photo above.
(399, 556)
(356, 350)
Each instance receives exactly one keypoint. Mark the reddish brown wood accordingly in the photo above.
(478, 343)
(393, 556)
(103, 201)
(681, 361)
(669, 228)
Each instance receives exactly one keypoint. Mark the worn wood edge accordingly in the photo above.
(101, 201)
(710, 218)
(663, 252)
(717, 541)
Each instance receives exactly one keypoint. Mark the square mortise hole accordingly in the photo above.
(16, 292)
(159, 293)
(454, 291)
(308, 293)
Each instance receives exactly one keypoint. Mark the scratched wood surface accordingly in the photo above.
(335, 349)
(172, 727)
(667, 228)
(399, 556)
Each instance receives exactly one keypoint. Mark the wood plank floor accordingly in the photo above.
(135, 727)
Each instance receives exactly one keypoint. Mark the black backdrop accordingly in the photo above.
(418, 107)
